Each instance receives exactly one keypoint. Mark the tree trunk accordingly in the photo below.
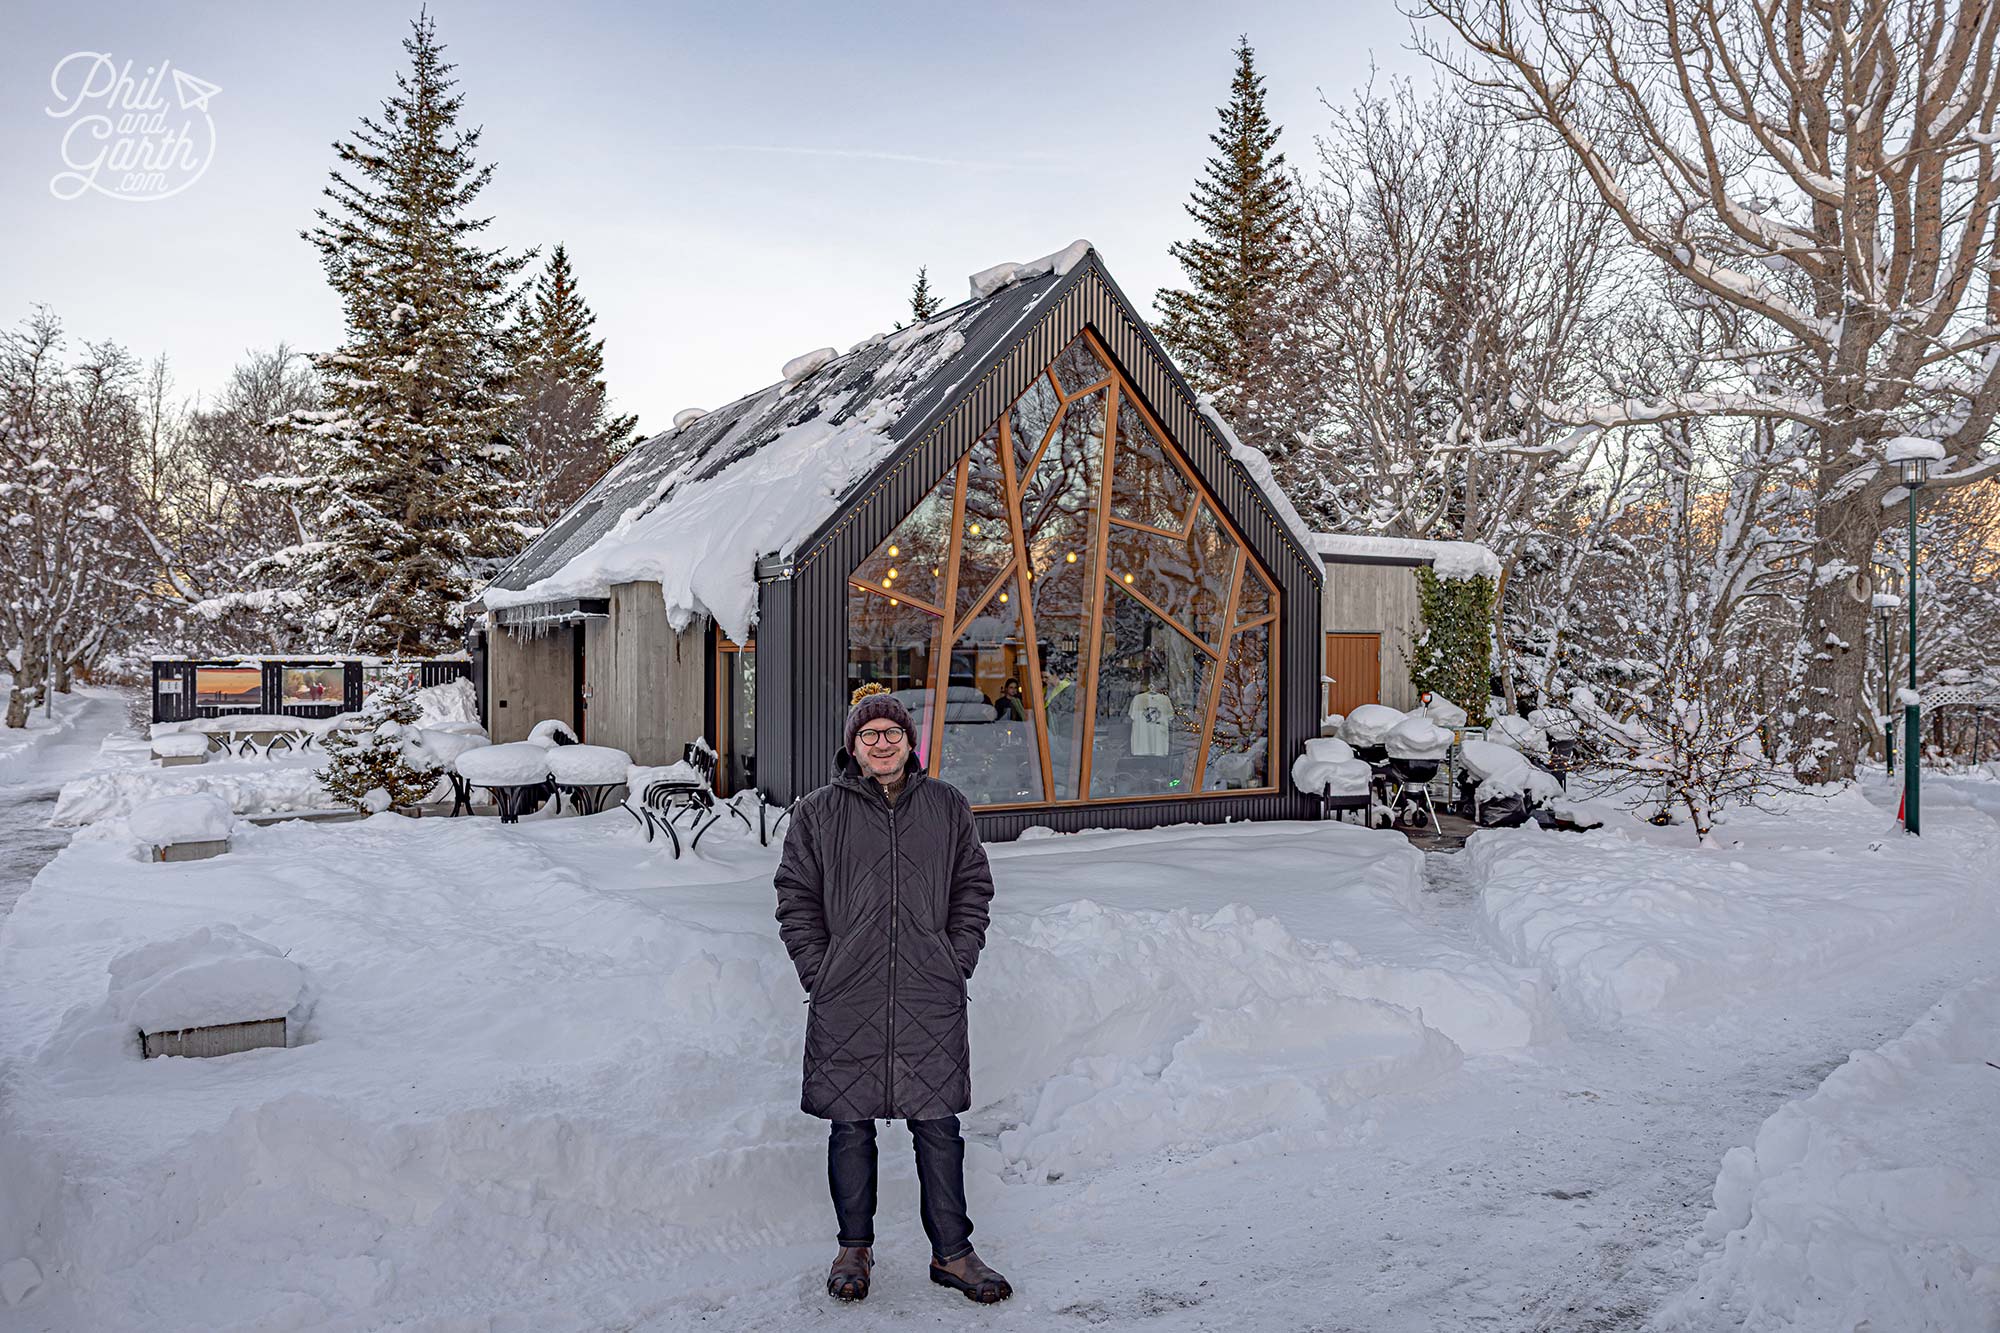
(1834, 641)
(63, 677)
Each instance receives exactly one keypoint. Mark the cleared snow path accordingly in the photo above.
(31, 775)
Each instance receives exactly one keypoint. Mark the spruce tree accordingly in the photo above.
(408, 471)
(566, 436)
(923, 302)
(1229, 331)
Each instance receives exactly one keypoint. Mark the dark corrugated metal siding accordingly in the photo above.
(802, 625)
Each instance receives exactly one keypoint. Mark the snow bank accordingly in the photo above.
(588, 765)
(1875, 1202)
(517, 764)
(248, 788)
(195, 817)
(453, 701)
(238, 722)
(20, 746)
(1651, 927)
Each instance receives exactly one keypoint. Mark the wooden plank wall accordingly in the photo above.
(1376, 599)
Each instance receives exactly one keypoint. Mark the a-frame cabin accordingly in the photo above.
(1015, 515)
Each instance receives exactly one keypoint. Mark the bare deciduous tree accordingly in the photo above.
(1829, 173)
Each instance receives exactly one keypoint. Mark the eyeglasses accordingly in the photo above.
(879, 735)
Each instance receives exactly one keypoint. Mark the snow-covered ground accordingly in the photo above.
(1263, 1076)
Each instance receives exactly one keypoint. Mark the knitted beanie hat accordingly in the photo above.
(878, 708)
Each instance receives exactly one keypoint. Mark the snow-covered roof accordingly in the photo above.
(695, 508)
(1450, 560)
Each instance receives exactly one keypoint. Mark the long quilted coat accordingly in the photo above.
(884, 909)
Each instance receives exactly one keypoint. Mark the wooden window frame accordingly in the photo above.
(1117, 391)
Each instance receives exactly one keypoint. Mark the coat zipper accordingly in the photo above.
(890, 1087)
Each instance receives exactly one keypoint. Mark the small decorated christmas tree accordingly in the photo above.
(378, 761)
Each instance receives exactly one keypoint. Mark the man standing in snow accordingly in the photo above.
(882, 903)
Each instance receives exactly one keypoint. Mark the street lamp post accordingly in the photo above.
(1914, 455)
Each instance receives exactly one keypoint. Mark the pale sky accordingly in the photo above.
(736, 184)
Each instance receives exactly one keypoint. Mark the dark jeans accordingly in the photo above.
(850, 1172)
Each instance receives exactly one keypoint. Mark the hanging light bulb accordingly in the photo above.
(1071, 557)
(973, 529)
(895, 550)
(1128, 578)
(892, 571)
(1003, 596)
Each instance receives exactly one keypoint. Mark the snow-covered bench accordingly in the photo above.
(180, 747)
(190, 827)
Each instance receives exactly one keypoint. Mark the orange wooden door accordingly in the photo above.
(1355, 663)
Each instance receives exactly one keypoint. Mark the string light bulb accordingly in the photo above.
(895, 550)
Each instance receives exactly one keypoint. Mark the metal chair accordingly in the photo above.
(664, 801)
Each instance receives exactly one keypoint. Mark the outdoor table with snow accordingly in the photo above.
(193, 827)
(589, 774)
(517, 774)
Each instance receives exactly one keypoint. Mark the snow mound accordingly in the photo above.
(545, 732)
(1329, 764)
(517, 764)
(204, 977)
(1518, 733)
(687, 416)
(1448, 560)
(180, 745)
(1875, 1202)
(990, 280)
(588, 765)
(166, 820)
(1906, 448)
(1117, 1033)
(453, 701)
(1504, 771)
(443, 748)
(264, 787)
(1417, 737)
(1445, 713)
(1370, 724)
(803, 365)
(1658, 927)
